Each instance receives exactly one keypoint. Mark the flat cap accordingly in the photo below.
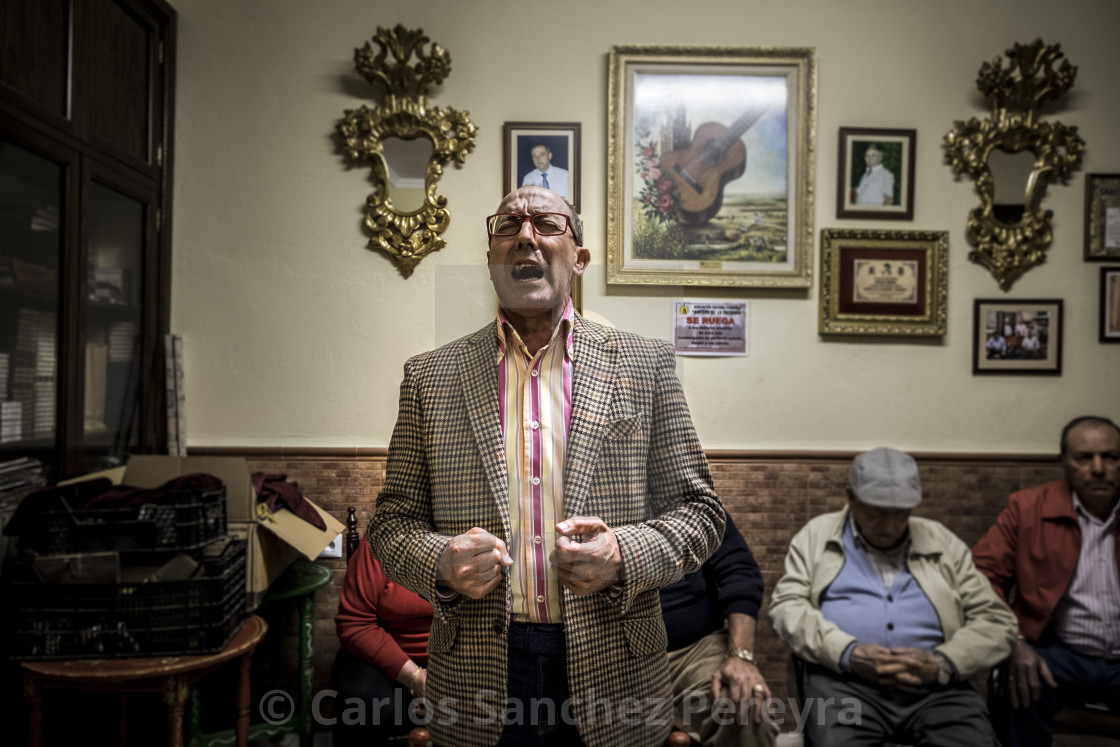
(886, 478)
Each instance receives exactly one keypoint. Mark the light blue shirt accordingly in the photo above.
(557, 180)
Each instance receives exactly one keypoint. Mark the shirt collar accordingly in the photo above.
(1084, 513)
(508, 336)
(894, 554)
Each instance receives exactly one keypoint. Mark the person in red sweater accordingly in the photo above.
(380, 667)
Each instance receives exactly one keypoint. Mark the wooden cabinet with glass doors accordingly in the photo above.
(85, 118)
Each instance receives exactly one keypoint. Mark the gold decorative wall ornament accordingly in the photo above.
(406, 236)
(1009, 246)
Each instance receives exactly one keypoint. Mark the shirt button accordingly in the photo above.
(535, 372)
(534, 425)
(535, 480)
(537, 540)
(890, 598)
(540, 598)
(890, 626)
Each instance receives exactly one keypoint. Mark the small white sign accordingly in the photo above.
(711, 328)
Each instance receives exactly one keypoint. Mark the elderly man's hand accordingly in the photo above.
(876, 664)
(919, 668)
(472, 563)
(742, 681)
(588, 566)
(1026, 670)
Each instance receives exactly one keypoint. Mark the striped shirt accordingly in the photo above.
(1087, 619)
(535, 407)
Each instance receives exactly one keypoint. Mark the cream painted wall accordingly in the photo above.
(295, 333)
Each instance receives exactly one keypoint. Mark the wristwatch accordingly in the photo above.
(741, 653)
(944, 671)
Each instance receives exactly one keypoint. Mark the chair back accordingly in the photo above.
(351, 538)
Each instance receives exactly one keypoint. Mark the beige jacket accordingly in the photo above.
(980, 630)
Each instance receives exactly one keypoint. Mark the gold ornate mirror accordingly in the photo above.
(1009, 230)
(406, 143)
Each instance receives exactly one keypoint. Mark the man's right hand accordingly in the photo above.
(472, 563)
(1025, 671)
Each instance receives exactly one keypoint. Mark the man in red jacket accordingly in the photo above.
(1056, 546)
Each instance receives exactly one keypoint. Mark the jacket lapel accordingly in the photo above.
(593, 375)
(479, 376)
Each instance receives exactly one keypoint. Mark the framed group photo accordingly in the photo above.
(1017, 336)
(711, 152)
(1102, 217)
(542, 154)
(1110, 304)
(875, 174)
(877, 282)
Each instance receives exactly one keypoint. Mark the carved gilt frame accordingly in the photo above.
(1016, 92)
(405, 236)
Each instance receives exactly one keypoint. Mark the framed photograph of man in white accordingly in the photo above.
(1110, 304)
(1011, 336)
(875, 174)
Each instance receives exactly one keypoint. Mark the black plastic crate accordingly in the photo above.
(83, 621)
(180, 520)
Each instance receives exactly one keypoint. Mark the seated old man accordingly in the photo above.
(891, 617)
(710, 618)
(1054, 546)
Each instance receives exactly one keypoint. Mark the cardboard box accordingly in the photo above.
(272, 545)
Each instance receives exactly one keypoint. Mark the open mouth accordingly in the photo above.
(527, 272)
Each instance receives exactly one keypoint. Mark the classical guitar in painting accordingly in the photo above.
(715, 157)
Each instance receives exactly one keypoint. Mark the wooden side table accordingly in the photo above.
(171, 675)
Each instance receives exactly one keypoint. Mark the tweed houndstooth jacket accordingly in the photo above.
(633, 460)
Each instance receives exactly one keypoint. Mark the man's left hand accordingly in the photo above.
(588, 566)
(742, 681)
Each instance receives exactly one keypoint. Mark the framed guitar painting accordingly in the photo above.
(711, 154)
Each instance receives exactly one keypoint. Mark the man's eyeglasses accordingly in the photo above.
(544, 224)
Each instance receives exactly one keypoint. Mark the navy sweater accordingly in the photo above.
(730, 581)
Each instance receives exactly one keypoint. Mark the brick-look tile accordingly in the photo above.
(768, 499)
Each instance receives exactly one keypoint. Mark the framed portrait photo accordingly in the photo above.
(876, 282)
(1110, 304)
(1102, 217)
(1012, 336)
(875, 174)
(710, 160)
(542, 154)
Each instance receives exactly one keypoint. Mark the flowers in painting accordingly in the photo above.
(657, 193)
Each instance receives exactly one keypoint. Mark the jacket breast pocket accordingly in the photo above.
(627, 440)
(627, 426)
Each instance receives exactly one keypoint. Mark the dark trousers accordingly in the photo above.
(370, 708)
(537, 689)
(1081, 679)
(850, 712)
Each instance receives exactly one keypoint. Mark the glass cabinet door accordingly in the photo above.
(31, 247)
(112, 318)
